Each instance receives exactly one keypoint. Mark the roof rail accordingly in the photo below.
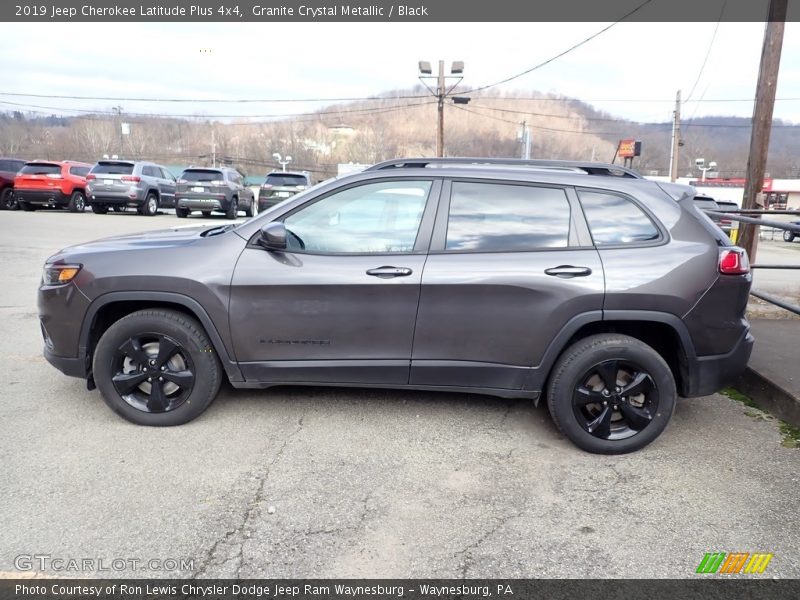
(590, 168)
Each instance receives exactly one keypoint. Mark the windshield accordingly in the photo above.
(286, 179)
(113, 168)
(198, 175)
(41, 169)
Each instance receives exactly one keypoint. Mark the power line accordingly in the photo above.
(708, 52)
(209, 100)
(557, 56)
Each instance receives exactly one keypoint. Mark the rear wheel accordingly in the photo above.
(150, 206)
(8, 201)
(182, 213)
(99, 209)
(26, 207)
(611, 394)
(250, 210)
(77, 202)
(233, 209)
(788, 236)
(157, 367)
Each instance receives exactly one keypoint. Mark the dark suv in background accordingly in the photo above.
(213, 190)
(118, 184)
(280, 185)
(603, 293)
(9, 167)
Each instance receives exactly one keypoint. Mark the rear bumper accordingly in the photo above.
(202, 202)
(709, 374)
(116, 198)
(42, 197)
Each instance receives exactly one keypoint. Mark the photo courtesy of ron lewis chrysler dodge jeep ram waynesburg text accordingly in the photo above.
(580, 284)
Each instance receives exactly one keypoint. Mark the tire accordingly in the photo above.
(206, 213)
(233, 209)
(157, 367)
(8, 201)
(77, 202)
(788, 236)
(25, 206)
(99, 209)
(599, 369)
(250, 210)
(182, 213)
(150, 206)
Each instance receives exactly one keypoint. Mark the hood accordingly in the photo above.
(147, 240)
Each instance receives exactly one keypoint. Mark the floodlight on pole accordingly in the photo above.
(281, 160)
(440, 93)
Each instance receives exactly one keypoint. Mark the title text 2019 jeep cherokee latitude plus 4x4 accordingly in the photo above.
(602, 292)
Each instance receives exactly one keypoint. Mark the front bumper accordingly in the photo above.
(74, 367)
(54, 197)
(709, 374)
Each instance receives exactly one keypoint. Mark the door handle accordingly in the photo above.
(389, 272)
(568, 271)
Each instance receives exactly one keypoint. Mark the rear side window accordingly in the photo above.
(614, 220)
(113, 168)
(490, 217)
(41, 169)
(79, 171)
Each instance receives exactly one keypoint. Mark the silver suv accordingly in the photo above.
(579, 284)
(210, 189)
(119, 184)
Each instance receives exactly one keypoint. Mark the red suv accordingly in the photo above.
(52, 184)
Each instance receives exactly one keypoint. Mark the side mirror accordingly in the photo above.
(273, 236)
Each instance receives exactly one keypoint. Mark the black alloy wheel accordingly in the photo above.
(153, 373)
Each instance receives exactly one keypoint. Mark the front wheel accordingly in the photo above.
(182, 213)
(8, 201)
(788, 236)
(157, 367)
(99, 209)
(611, 394)
(77, 202)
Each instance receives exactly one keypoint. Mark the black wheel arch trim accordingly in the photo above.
(231, 366)
(537, 378)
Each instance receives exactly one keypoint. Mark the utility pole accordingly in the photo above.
(676, 139)
(525, 138)
(118, 111)
(213, 150)
(441, 93)
(762, 120)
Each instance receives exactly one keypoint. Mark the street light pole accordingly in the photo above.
(440, 94)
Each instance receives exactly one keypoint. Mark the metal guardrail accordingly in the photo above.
(739, 215)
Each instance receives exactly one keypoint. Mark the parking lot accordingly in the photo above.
(315, 482)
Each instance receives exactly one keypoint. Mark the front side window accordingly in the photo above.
(491, 217)
(375, 218)
(614, 220)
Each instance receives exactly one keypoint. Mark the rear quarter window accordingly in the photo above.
(615, 220)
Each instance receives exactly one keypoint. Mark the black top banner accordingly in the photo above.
(409, 11)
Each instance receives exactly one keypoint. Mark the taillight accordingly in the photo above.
(90, 177)
(733, 261)
(132, 178)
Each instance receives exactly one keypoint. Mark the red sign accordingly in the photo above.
(629, 148)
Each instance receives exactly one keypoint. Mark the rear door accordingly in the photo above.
(112, 177)
(510, 265)
(39, 176)
(339, 305)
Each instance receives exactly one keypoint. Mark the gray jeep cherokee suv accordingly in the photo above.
(118, 184)
(580, 283)
(213, 189)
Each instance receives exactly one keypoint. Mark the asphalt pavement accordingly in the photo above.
(320, 482)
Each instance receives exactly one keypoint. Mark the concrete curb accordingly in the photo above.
(769, 396)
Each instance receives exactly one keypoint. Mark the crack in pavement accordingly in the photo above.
(467, 551)
(235, 538)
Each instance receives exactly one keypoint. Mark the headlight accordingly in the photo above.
(59, 274)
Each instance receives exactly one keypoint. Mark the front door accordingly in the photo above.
(339, 306)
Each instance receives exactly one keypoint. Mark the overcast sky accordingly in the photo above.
(632, 71)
